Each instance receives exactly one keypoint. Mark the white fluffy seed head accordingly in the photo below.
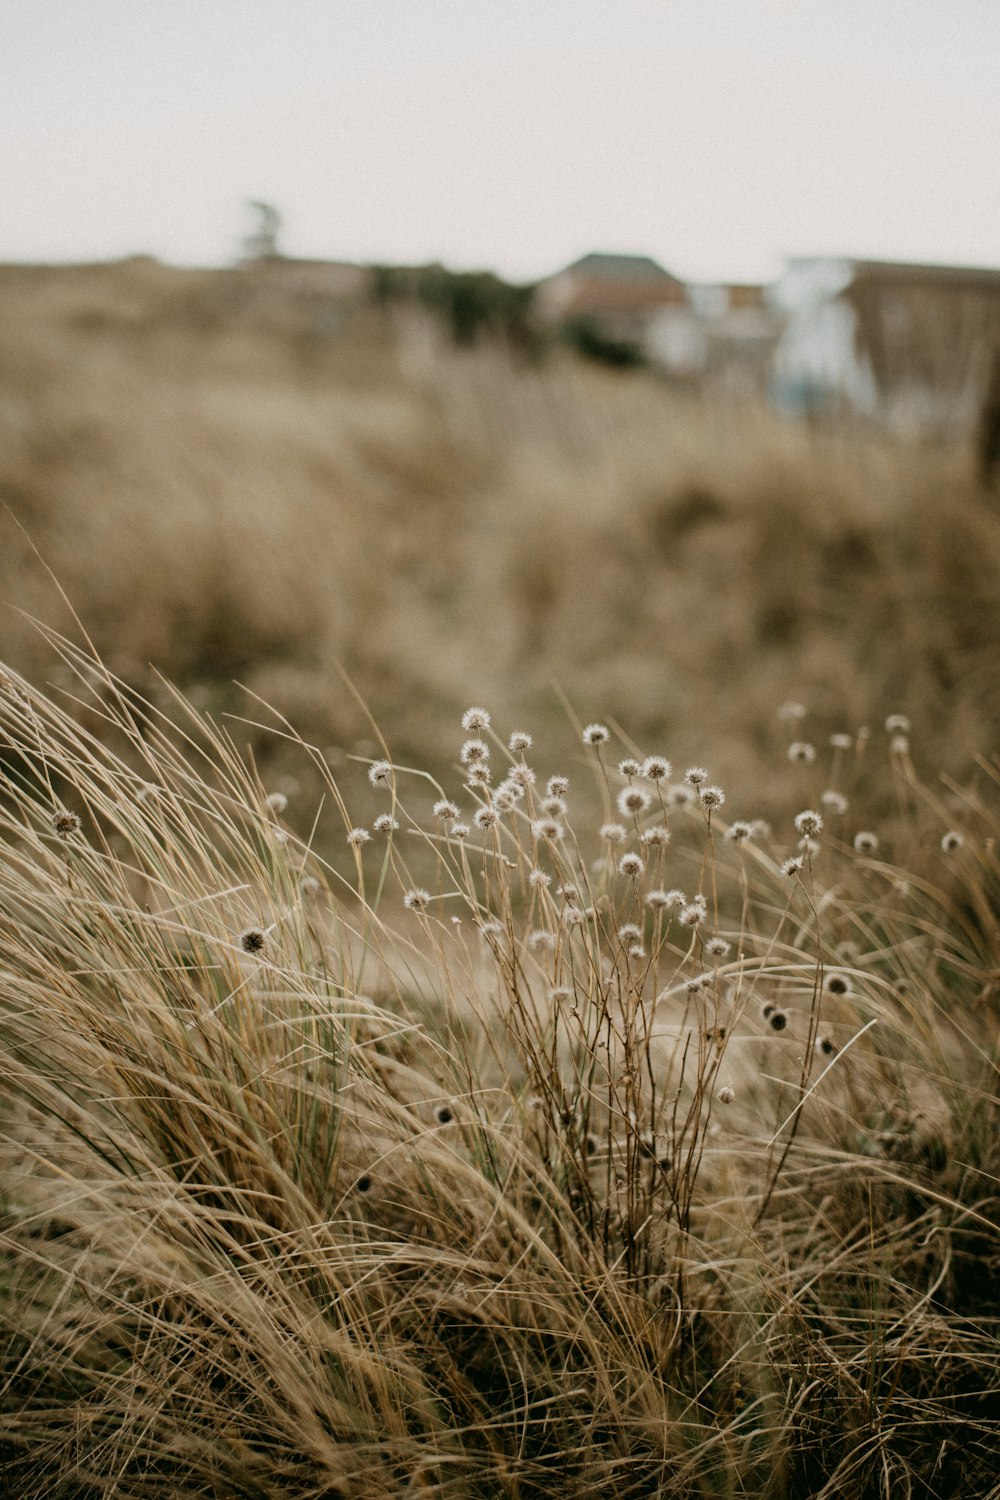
(475, 719)
(520, 741)
(866, 842)
(808, 823)
(596, 734)
(633, 800)
(951, 841)
(656, 768)
(801, 753)
(631, 865)
(417, 899)
(358, 836)
(612, 833)
(472, 751)
(386, 823)
(380, 773)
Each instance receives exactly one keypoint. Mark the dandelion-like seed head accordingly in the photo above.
(801, 753)
(417, 899)
(490, 928)
(478, 774)
(777, 1020)
(253, 940)
(866, 842)
(841, 742)
(522, 776)
(636, 950)
(444, 1114)
(631, 865)
(612, 833)
(549, 829)
(380, 773)
(460, 830)
(445, 810)
(657, 836)
(277, 802)
(473, 751)
(692, 916)
(541, 938)
(503, 799)
(596, 734)
(557, 786)
(899, 745)
(65, 824)
(665, 900)
(520, 741)
(739, 832)
(760, 828)
(681, 796)
(538, 879)
(633, 800)
(629, 932)
(555, 807)
(358, 836)
(711, 797)
(309, 886)
(656, 768)
(951, 841)
(475, 719)
(568, 893)
(897, 724)
(791, 712)
(717, 947)
(695, 776)
(386, 823)
(793, 865)
(836, 983)
(486, 817)
(726, 1094)
(629, 767)
(835, 803)
(573, 916)
(808, 823)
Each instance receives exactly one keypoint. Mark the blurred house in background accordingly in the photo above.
(610, 303)
(723, 335)
(913, 347)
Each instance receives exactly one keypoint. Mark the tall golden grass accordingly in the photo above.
(630, 1138)
(646, 1156)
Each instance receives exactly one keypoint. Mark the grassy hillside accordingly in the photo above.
(243, 475)
(462, 1102)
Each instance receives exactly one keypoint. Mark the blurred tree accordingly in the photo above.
(262, 241)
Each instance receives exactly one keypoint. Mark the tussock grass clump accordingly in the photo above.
(555, 1142)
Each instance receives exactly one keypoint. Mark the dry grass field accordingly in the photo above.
(408, 1098)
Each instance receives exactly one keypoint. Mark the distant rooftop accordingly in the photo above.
(621, 267)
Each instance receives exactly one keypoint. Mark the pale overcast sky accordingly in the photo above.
(717, 135)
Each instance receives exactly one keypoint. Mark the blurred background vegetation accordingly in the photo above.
(254, 476)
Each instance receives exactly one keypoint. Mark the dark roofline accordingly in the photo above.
(902, 269)
(622, 264)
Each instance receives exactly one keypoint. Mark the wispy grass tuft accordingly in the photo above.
(491, 1154)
